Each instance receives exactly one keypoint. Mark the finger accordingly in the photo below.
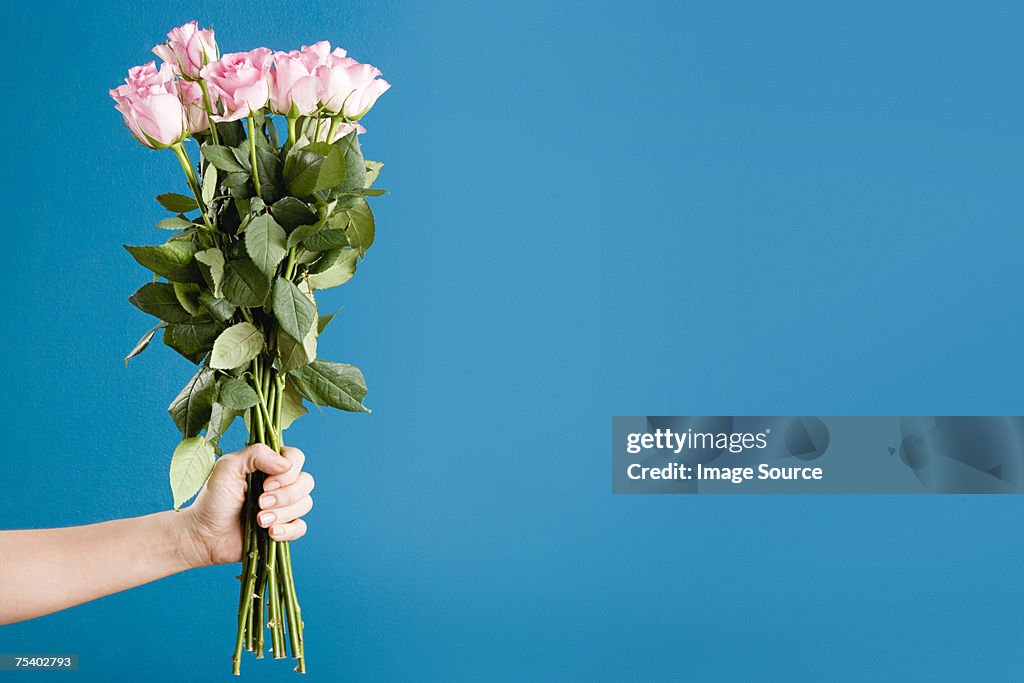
(288, 513)
(258, 457)
(292, 531)
(295, 458)
(286, 495)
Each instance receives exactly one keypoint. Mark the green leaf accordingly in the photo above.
(141, 345)
(335, 268)
(265, 242)
(372, 171)
(293, 354)
(177, 203)
(211, 265)
(190, 409)
(360, 229)
(332, 384)
(236, 346)
(237, 184)
(318, 166)
(324, 235)
(236, 394)
(188, 296)
(333, 235)
(231, 132)
(323, 321)
(301, 233)
(193, 339)
(294, 310)
(159, 299)
(220, 420)
(245, 284)
(290, 155)
(291, 407)
(222, 157)
(209, 188)
(191, 465)
(291, 213)
(174, 223)
(355, 165)
(361, 192)
(221, 309)
(172, 260)
(269, 167)
(241, 153)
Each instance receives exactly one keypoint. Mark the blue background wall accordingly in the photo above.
(716, 208)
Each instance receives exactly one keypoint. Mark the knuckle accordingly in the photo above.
(257, 449)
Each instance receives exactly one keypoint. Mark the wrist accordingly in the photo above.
(189, 547)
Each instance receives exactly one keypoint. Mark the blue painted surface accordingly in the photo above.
(723, 208)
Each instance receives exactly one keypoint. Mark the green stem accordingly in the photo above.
(259, 620)
(268, 580)
(274, 602)
(335, 122)
(279, 407)
(245, 604)
(209, 111)
(296, 612)
(252, 155)
(289, 268)
(289, 607)
(248, 547)
(291, 130)
(193, 181)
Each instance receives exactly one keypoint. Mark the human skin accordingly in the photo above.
(46, 570)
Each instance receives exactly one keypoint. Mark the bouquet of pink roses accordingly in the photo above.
(265, 225)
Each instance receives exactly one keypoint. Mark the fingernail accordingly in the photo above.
(272, 485)
(267, 517)
(267, 501)
(277, 531)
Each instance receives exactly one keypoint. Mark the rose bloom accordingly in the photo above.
(195, 107)
(347, 84)
(146, 74)
(149, 102)
(188, 50)
(293, 82)
(322, 51)
(241, 81)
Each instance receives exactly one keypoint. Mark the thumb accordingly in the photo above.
(260, 457)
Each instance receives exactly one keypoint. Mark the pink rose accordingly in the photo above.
(348, 87)
(320, 52)
(149, 101)
(294, 88)
(241, 80)
(147, 74)
(188, 50)
(195, 107)
(346, 128)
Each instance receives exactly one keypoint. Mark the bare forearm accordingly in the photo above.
(46, 570)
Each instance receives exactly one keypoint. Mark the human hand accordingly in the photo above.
(213, 523)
